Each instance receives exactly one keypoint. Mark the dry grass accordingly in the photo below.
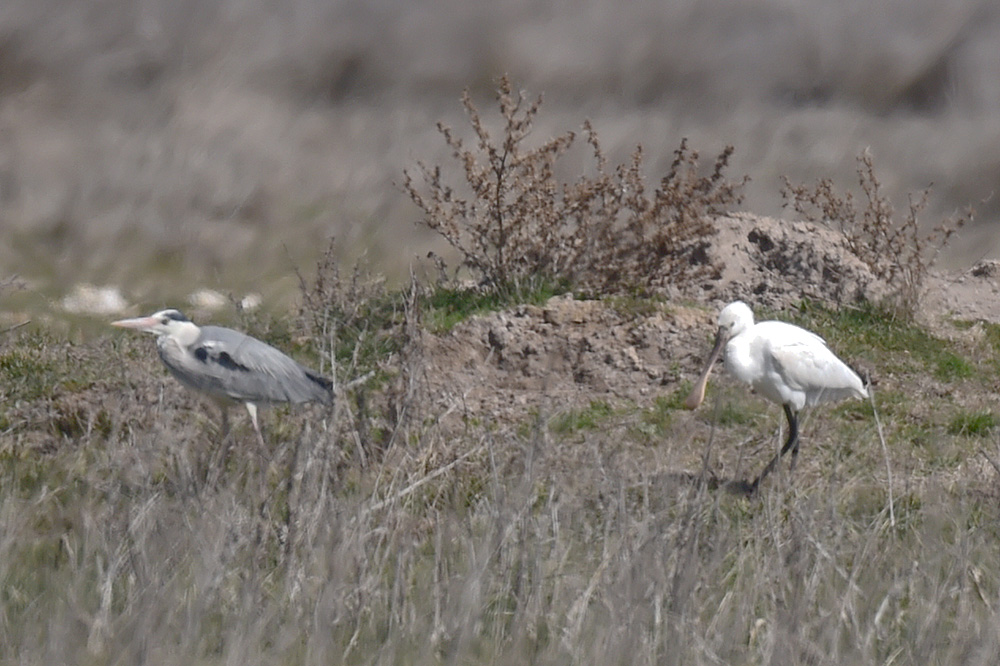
(128, 538)
(115, 553)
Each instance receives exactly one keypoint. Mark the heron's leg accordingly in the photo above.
(263, 468)
(252, 408)
(791, 443)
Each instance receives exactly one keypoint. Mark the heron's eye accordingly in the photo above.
(165, 321)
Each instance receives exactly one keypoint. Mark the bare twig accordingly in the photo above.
(15, 327)
(990, 460)
(885, 452)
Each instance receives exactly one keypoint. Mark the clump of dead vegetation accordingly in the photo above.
(512, 220)
(369, 341)
(895, 249)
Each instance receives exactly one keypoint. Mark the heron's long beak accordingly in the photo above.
(698, 392)
(141, 323)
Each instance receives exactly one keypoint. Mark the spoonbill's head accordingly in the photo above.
(733, 320)
(170, 323)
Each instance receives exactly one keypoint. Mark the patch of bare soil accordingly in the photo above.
(570, 352)
(563, 354)
(972, 294)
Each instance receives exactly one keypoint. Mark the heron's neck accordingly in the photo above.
(186, 333)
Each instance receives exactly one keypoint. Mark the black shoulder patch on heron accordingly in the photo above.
(322, 381)
(227, 362)
(201, 354)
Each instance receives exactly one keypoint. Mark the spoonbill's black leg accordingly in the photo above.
(793, 423)
(792, 443)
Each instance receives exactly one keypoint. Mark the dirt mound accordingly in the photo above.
(565, 353)
(570, 352)
(774, 263)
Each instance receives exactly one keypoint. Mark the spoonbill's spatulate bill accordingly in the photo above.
(229, 366)
(782, 362)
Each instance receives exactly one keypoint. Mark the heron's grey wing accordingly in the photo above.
(247, 369)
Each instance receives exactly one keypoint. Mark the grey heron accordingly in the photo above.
(228, 366)
(786, 364)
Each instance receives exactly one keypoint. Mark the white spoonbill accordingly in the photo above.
(784, 363)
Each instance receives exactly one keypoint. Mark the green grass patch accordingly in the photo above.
(660, 415)
(588, 418)
(676, 399)
(866, 331)
(950, 367)
(654, 423)
(35, 365)
(973, 424)
(734, 413)
(992, 335)
(865, 328)
(28, 376)
(445, 307)
(730, 403)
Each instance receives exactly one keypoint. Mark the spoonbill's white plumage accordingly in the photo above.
(784, 363)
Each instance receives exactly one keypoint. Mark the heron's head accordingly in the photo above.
(170, 323)
(734, 319)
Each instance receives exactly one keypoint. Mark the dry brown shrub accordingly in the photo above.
(513, 221)
(895, 249)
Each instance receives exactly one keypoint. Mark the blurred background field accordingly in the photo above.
(161, 146)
